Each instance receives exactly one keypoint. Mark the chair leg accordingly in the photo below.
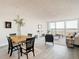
(11, 52)
(8, 50)
(21, 51)
(45, 42)
(53, 43)
(33, 52)
(27, 55)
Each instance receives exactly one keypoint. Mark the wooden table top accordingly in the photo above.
(18, 39)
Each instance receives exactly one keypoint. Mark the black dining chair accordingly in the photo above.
(12, 46)
(49, 38)
(29, 46)
(29, 34)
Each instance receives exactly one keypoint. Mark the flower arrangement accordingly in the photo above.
(19, 21)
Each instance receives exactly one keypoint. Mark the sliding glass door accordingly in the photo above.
(60, 29)
(71, 26)
(52, 28)
(63, 28)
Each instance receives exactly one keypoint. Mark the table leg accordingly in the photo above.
(18, 52)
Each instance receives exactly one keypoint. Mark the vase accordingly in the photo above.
(18, 29)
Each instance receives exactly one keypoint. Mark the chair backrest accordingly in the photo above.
(29, 34)
(36, 36)
(49, 37)
(30, 43)
(13, 34)
(9, 42)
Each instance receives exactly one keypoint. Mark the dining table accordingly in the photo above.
(19, 39)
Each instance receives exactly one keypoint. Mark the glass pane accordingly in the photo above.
(52, 25)
(59, 25)
(72, 24)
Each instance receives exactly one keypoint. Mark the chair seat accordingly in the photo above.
(24, 46)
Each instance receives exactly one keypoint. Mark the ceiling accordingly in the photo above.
(44, 9)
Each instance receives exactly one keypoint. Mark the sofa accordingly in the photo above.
(76, 39)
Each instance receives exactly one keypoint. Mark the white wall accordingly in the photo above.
(5, 31)
(8, 12)
(30, 26)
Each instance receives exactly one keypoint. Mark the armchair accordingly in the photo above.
(49, 38)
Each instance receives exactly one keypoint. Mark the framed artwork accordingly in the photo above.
(8, 24)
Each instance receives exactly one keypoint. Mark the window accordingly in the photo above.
(59, 25)
(72, 24)
(52, 25)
